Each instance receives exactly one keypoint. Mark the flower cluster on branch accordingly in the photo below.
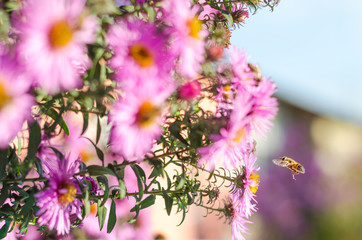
(107, 105)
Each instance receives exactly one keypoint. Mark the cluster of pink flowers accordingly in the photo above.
(150, 61)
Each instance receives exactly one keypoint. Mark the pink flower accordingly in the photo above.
(188, 35)
(53, 35)
(265, 106)
(57, 202)
(237, 219)
(190, 90)
(15, 103)
(233, 139)
(245, 195)
(137, 119)
(139, 52)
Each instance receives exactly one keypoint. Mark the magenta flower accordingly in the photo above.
(188, 35)
(236, 217)
(15, 103)
(233, 139)
(57, 202)
(53, 35)
(190, 90)
(137, 119)
(139, 52)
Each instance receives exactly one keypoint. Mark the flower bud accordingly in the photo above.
(190, 90)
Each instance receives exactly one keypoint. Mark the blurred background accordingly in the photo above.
(313, 51)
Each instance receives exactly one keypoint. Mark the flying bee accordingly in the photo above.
(291, 164)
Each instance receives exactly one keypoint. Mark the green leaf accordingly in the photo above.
(99, 129)
(28, 205)
(168, 202)
(141, 177)
(99, 152)
(175, 131)
(95, 170)
(128, 8)
(4, 193)
(51, 112)
(34, 139)
(101, 213)
(180, 182)
(151, 12)
(147, 202)
(182, 206)
(103, 182)
(112, 219)
(85, 122)
(3, 161)
(122, 189)
(5, 228)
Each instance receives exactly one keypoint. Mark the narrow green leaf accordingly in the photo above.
(229, 18)
(4, 229)
(95, 170)
(98, 130)
(3, 161)
(182, 206)
(51, 112)
(99, 152)
(28, 205)
(112, 219)
(34, 139)
(168, 202)
(175, 131)
(122, 189)
(180, 182)
(101, 213)
(85, 122)
(147, 202)
(141, 177)
(103, 182)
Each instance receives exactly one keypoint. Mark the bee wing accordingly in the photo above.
(281, 163)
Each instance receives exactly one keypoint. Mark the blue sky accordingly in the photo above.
(313, 51)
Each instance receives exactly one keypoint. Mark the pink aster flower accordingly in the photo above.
(188, 35)
(139, 52)
(249, 181)
(233, 139)
(53, 35)
(137, 119)
(237, 219)
(243, 76)
(190, 90)
(265, 106)
(15, 103)
(57, 202)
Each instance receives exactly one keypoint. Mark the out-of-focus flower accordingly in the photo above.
(137, 119)
(59, 201)
(233, 139)
(139, 52)
(15, 103)
(188, 35)
(190, 90)
(52, 42)
(265, 106)
(215, 52)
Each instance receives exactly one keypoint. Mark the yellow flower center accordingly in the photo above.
(93, 209)
(147, 114)
(254, 177)
(60, 34)
(195, 27)
(66, 193)
(141, 55)
(240, 134)
(5, 99)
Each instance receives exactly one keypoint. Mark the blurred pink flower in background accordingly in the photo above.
(15, 103)
(190, 90)
(52, 42)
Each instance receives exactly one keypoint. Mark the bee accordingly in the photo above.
(291, 164)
